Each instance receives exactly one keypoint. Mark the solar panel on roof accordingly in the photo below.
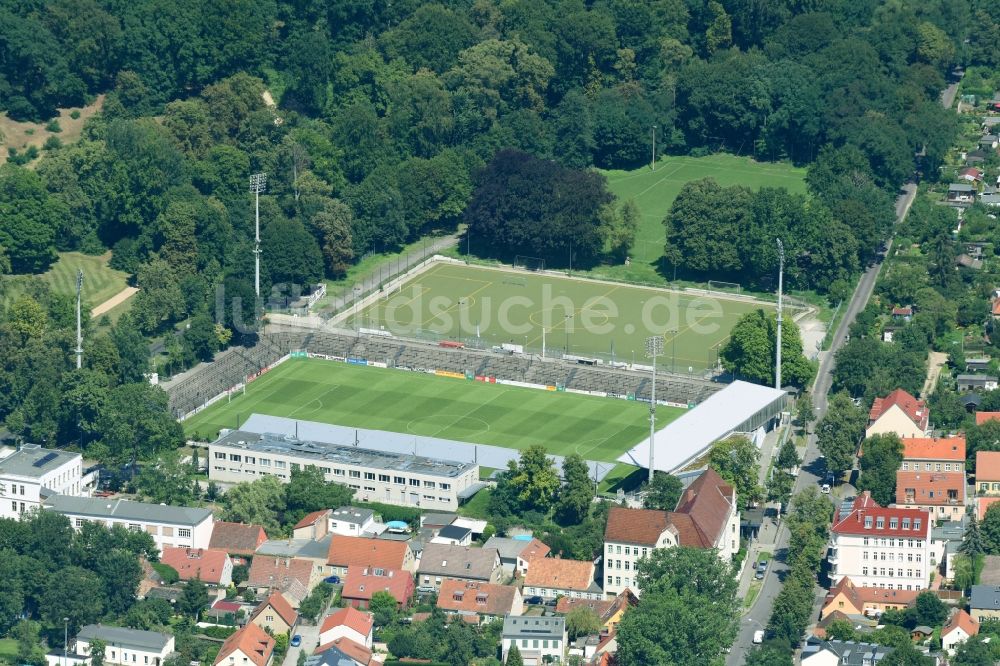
(48, 457)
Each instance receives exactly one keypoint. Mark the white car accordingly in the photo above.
(758, 636)
(825, 489)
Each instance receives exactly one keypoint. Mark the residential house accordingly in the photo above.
(475, 525)
(609, 610)
(983, 417)
(123, 646)
(223, 612)
(988, 472)
(880, 547)
(440, 562)
(971, 175)
(454, 535)
(31, 474)
(631, 534)
(352, 521)
(965, 261)
(484, 600)
(517, 554)
(900, 413)
(940, 493)
(978, 364)
(988, 142)
(237, 538)
(346, 551)
(538, 639)
(933, 454)
(347, 623)
(961, 193)
(364, 581)
(556, 577)
(983, 505)
(249, 646)
(707, 516)
(275, 614)
(960, 628)
(435, 521)
(210, 566)
(341, 652)
(843, 653)
(990, 575)
(847, 598)
(316, 552)
(293, 577)
(984, 603)
(902, 314)
(992, 199)
(313, 526)
(183, 527)
(973, 382)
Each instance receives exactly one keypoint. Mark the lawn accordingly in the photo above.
(100, 282)
(8, 649)
(655, 191)
(481, 306)
(421, 404)
(21, 135)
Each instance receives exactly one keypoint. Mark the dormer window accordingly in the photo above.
(893, 524)
(880, 523)
(906, 523)
(868, 522)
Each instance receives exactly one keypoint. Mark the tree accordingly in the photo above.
(31, 218)
(839, 433)
(582, 620)
(788, 456)
(97, 652)
(973, 652)
(136, 425)
(881, 457)
(664, 492)
(972, 541)
(159, 301)
(383, 608)
(193, 599)
(332, 226)
(514, 657)
(290, 254)
(768, 655)
(307, 491)
(166, 481)
(990, 529)
(576, 493)
(780, 486)
(29, 649)
(737, 461)
(256, 503)
(535, 479)
(75, 593)
(804, 412)
(929, 610)
(750, 351)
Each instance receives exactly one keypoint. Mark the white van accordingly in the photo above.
(758, 636)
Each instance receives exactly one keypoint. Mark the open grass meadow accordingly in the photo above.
(421, 404)
(100, 281)
(655, 191)
(490, 306)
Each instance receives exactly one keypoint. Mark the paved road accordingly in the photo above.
(760, 613)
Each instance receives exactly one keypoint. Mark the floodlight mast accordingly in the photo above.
(79, 328)
(777, 344)
(654, 348)
(258, 182)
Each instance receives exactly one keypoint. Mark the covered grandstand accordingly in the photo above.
(739, 408)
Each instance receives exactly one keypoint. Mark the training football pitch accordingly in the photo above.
(421, 404)
(655, 191)
(485, 307)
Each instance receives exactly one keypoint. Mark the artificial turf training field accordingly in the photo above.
(655, 191)
(488, 306)
(409, 402)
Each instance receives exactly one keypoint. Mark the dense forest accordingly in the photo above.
(378, 122)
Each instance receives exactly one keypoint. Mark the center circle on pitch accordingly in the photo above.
(433, 425)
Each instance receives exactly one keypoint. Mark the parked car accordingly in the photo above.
(758, 636)
(332, 580)
(825, 489)
(551, 602)
(534, 601)
(426, 589)
(296, 640)
(759, 575)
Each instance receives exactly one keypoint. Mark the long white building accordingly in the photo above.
(31, 474)
(375, 476)
(881, 547)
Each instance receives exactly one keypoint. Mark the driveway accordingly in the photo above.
(310, 640)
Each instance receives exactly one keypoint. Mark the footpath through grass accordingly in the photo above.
(421, 404)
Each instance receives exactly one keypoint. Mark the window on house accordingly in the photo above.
(893, 524)
(235, 457)
(399, 480)
(354, 474)
(183, 533)
(280, 464)
(880, 523)
(338, 472)
(414, 482)
(220, 456)
(384, 478)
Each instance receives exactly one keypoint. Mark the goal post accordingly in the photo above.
(529, 263)
(721, 285)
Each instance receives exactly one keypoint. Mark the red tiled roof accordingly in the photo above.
(983, 505)
(534, 549)
(474, 597)
(237, 538)
(191, 563)
(853, 520)
(913, 408)
(707, 502)
(361, 583)
(902, 312)
(352, 649)
(280, 606)
(996, 307)
(860, 597)
(347, 550)
(930, 488)
(227, 606)
(351, 618)
(311, 518)
(934, 448)
(641, 526)
(252, 641)
(963, 620)
(276, 572)
(599, 606)
(559, 574)
(987, 466)
(983, 417)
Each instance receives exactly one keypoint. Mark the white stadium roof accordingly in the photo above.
(740, 407)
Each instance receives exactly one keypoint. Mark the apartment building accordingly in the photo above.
(31, 474)
(376, 476)
(933, 454)
(899, 413)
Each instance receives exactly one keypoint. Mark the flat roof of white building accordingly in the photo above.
(34, 461)
(740, 407)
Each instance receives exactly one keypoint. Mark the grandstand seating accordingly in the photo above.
(233, 366)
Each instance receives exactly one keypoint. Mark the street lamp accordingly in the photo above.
(654, 148)
(654, 348)
(258, 182)
(65, 639)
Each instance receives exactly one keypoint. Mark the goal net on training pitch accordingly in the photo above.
(725, 286)
(529, 263)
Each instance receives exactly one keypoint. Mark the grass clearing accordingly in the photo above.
(100, 281)
(421, 404)
(655, 191)
(20, 135)
(8, 648)
(481, 306)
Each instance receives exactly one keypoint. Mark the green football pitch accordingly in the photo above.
(458, 409)
(655, 191)
(490, 306)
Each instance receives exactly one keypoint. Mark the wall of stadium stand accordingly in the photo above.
(235, 368)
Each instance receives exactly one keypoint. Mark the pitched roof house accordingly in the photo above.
(553, 577)
(237, 538)
(313, 525)
(276, 614)
(941, 453)
(443, 561)
(988, 473)
(516, 555)
(983, 417)
(293, 577)
(940, 493)
(249, 646)
(850, 599)
(210, 566)
(485, 600)
(362, 582)
(900, 413)
(347, 623)
(341, 652)
(347, 550)
(843, 653)
(960, 628)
